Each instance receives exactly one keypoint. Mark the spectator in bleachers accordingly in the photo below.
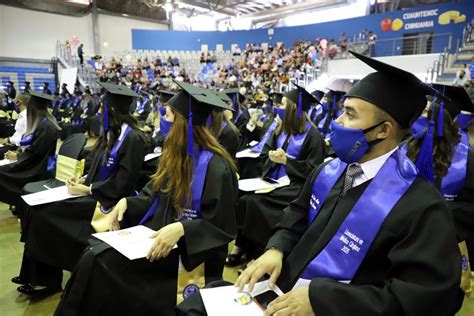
(80, 53)
(343, 42)
(372, 39)
(461, 78)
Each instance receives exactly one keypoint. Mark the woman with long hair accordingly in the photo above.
(293, 150)
(189, 202)
(29, 162)
(445, 161)
(56, 234)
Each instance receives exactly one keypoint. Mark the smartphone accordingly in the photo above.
(265, 298)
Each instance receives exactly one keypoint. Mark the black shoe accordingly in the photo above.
(233, 259)
(18, 280)
(29, 290)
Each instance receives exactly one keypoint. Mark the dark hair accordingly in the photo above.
(443, 146)
(116, 119)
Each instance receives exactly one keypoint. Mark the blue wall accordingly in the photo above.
(182, 40)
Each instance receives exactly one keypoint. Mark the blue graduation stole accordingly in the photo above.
(201, 162)
(110, 167)
(27, 140)
(453, 182)
(292, 151)
(141, 107)
(342, 256)
(259, 147)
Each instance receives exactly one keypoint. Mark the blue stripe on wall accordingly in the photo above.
(181, 40)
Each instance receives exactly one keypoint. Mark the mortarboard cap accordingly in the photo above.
(117, 96)
(318, 94)
(40, 100)
(458, 97)
(197, 100)
(195, 104)
(165, 95)
(397, 92)
(302, 98)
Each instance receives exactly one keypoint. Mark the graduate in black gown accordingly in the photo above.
(193, 168)
(370, 237)
(46, 89)
(56, 234)
(241, 114)
(38, 145)
(293, 150)
(252, 167)
(221, 126)
(445, 161)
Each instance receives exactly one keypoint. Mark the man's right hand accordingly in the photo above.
(269, 263)
(116, 215)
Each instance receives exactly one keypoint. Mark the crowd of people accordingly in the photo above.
(256, 68)
(337, 211)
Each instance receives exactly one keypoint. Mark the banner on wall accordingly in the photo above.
(69, 77)
(421, 19)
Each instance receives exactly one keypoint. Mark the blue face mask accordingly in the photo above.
(419, 126)
(281, 113)
(165, 126)
(350, 144)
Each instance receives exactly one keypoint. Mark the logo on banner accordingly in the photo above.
(422, 19)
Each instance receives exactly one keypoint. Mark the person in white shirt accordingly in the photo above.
(20, 126)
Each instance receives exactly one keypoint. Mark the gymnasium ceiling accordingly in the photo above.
(159, 10)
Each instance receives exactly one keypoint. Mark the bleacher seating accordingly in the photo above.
(36, 75)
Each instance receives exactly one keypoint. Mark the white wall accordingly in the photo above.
(33, 34)
(116, 31)
(353, 68)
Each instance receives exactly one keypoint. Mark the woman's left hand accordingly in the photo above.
(10, 155)
(165, 239)
(75, 188)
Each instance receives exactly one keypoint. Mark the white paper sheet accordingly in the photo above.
(133, 243)
(253, 143)
(152, 156)
(48, 196)
(255, 184)
(246, 153)
(4, 162)
(226, 300)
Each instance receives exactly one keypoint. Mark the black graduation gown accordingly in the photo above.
(266, 209)
(252, 167)
(149, 167)
(56, 234)
(229, 139)
(412, 267)
(462, 208)
(31, 164)
(107, 283)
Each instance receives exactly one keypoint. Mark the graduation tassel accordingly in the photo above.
(106, 116)
(299, 110)
(440, 119)
(190, 130)
(424, 161)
